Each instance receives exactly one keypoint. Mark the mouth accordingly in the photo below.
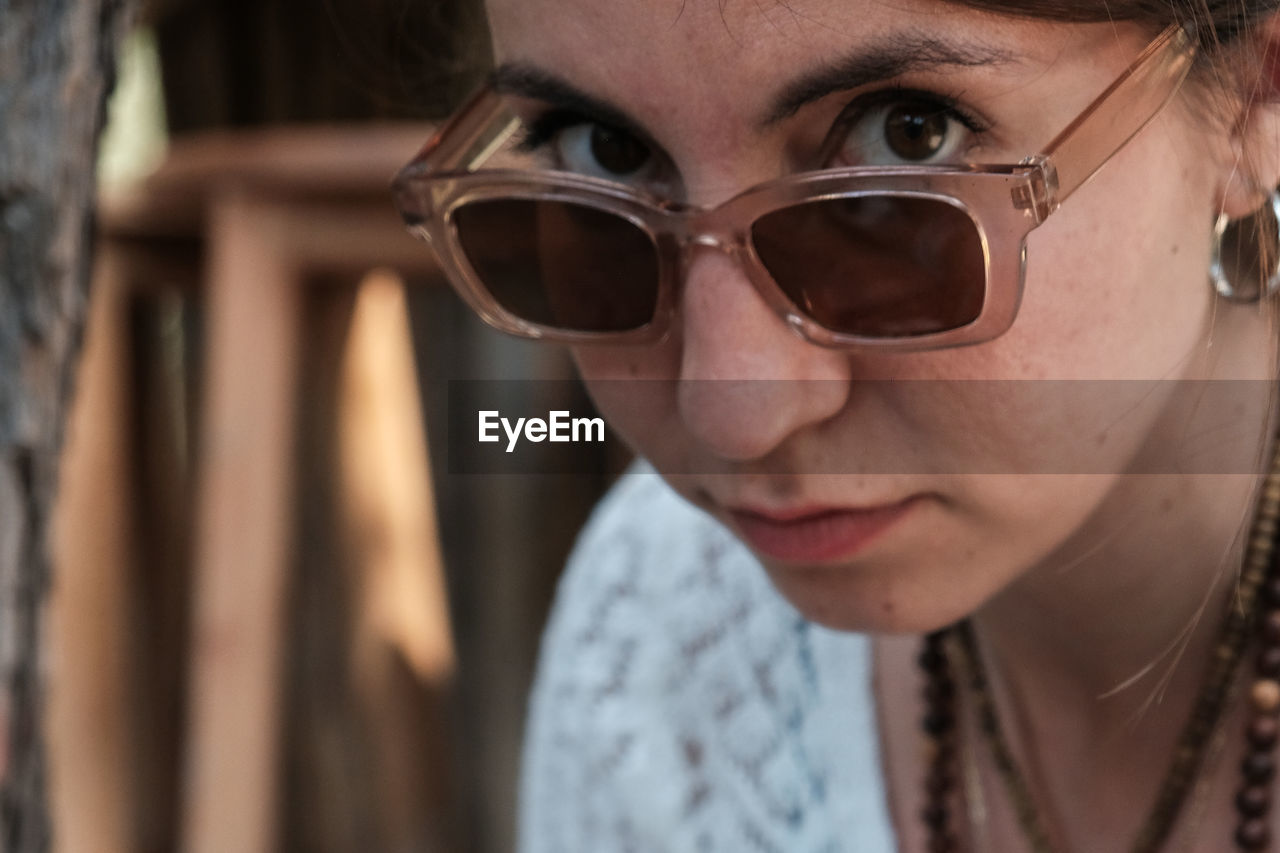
(818, 534)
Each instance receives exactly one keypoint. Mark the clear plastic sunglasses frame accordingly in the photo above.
(1004, 202)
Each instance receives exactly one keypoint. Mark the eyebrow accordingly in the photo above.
(899, 54)
(890, 57)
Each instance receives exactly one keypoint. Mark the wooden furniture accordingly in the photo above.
(255, 225)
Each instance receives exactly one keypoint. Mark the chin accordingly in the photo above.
(861, 600)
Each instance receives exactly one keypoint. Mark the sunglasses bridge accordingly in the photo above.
(689, 228)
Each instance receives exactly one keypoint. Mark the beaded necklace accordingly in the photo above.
(1256, 613)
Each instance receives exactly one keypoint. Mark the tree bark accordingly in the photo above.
(57, 60)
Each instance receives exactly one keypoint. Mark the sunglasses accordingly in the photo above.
(897, 257)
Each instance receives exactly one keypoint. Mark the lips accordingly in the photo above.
(817, 535)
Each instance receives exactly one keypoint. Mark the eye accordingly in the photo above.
(569, 141)
(895, 128)
(603, 152)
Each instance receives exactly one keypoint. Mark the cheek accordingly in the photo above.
(1012, 522)
(620, 363)
(635, 389)
(1117, 281)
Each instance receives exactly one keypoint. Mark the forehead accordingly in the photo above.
(724, 31)
(699, 65)
(678, 43)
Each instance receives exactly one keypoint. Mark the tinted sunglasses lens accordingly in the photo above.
(877, 266)
(567, 266)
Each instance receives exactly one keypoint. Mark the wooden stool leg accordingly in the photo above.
(92, 789)
(402, 653)
(244, 530)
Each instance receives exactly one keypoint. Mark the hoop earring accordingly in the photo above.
(1247, 281)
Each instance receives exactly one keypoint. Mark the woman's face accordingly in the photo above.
(890, 491)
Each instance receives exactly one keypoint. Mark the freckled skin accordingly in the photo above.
(1106, 298)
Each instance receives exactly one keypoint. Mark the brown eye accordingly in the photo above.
(915, 131)
(886, 129)
(617, 152)
(600, 151)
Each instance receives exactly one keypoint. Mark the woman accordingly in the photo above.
(851, 374)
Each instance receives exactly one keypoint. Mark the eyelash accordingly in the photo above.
(543, 129)
(858, 109)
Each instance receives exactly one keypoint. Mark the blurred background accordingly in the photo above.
(279, 622)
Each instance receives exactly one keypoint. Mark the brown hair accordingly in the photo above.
(1218, 23)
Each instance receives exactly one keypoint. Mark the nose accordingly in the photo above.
(747, 382)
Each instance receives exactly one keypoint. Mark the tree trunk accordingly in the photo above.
(56, 65)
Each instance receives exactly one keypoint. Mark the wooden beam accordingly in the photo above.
(244, 528)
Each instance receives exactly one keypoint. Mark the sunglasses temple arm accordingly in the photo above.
(1115, 117)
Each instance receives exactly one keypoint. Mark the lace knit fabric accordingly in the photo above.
(682, 705)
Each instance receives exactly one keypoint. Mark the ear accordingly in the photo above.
(1252, 163)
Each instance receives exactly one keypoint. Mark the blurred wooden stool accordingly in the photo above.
(265, 216)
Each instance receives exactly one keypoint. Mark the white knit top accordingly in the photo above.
(682, 705)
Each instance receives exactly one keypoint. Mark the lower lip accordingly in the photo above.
(824, 537)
